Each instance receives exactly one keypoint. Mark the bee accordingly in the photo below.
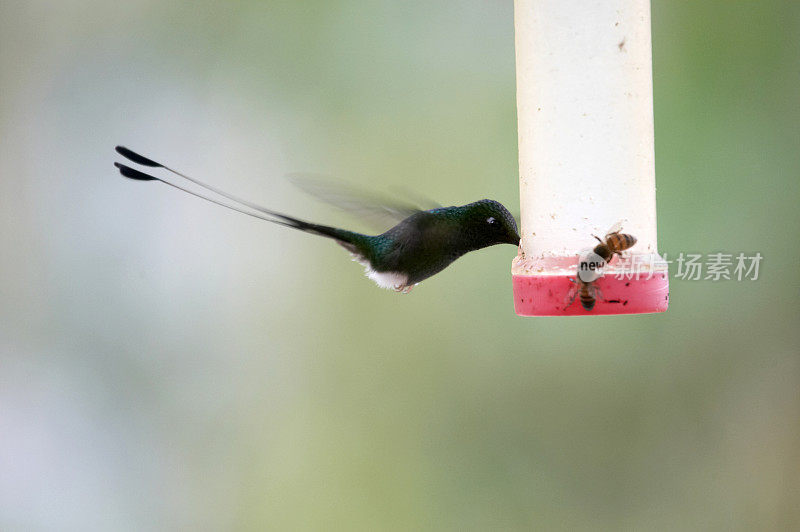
(591, 264)
(614, 243)
(588, 291)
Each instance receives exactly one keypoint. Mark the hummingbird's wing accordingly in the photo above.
(380, 211)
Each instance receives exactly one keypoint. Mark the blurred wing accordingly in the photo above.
(416, 199)
(380, 211)
(616, 228)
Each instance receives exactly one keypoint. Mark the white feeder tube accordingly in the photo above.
(585, 112)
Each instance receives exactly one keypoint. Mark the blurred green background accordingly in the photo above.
(167, 364)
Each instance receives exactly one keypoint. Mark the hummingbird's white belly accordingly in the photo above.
(389, 280)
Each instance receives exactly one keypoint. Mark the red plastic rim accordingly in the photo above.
(547, 294)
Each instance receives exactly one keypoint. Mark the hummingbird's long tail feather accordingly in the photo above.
(144, 161)
(348, 239)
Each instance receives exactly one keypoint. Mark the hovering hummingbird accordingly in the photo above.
(423, 243)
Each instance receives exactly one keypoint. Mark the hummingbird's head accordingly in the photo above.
(490, 223)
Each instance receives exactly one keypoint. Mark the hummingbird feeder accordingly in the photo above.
(586, 156)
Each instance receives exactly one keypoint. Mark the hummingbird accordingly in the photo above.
(421, 244)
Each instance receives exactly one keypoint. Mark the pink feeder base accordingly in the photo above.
(548, 295)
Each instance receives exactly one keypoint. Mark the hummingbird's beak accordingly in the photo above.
(514, 239)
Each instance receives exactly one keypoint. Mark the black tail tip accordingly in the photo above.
(135, 157)
(130, 173)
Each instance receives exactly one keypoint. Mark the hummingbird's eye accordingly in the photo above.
(490, 219)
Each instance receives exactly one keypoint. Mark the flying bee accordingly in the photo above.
(614, 243)
(588, 291)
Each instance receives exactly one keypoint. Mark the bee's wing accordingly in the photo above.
(596, 292)
(381, 211)
(571, 294)
(616, 228)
